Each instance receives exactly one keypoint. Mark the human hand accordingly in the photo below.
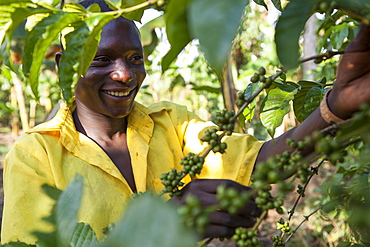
(352, 86)
(221, 223)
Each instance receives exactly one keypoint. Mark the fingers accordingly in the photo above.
(223, 218)
(223, 224)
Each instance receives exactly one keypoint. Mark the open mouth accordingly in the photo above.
(117, 94)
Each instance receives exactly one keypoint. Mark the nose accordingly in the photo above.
(122, 72)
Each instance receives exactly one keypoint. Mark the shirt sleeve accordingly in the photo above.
(26, 169)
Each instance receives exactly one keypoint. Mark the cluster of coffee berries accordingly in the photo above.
(172, 181)
(231, 199)
(331, 148)
(300, 190)
(283, 226)
(265, 200)
(214, 141)
(241, 99)
(300, 145)
(192, 164)
(363, 114)
(225, 121)
(244, 237)
(193, 214)
(260, 77)
(277, 241)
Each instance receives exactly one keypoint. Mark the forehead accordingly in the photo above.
(120, 32)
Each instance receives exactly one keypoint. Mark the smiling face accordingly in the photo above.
(116, 73)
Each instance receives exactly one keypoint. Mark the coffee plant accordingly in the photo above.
(342, 146)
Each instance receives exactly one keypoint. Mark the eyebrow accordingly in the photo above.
(111, 50)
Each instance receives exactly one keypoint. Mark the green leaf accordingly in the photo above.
(261, 2)
(277, 4)
(66, 210)
(95, 24)
(74, 7)
(9, 20)
(146, 30)
(312, 101)
(81, 47)
(275, 106)
(83, 236)
(251, 89)
(51, 191)
(215, 24)
(176, 29)
(210, 89)
(149, 48)
(64, 216)
(133, 15)
(288, 30)
(39, 40)
(161, 224)
(338, 35)
(69, 61)
(299, 98)
(5, 54)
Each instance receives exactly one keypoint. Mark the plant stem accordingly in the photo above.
(291, 213)
(306, 219)
(326, 55)
(259, 221)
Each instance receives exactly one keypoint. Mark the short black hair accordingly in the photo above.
(102, 4)
(103, 8)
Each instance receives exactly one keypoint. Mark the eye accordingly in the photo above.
(137, 59)
(100, 60)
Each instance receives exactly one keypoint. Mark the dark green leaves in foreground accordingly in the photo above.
(215, 24)
(292, 21)
(81, 46)
(39, 40)
(177, 30)
(68, 232)
(159, 221)
(146, 214)
(288, 30)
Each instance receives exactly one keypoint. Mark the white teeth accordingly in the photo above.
(118, 94)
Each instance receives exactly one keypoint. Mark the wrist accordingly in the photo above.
(327, 112)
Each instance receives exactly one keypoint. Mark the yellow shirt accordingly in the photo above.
(54, 152)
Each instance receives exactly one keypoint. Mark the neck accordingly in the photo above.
(97, 126)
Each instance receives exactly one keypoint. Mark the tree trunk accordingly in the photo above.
(309, 47)
(21, 102)
(228, 87)
(15, 116)
(32, 113)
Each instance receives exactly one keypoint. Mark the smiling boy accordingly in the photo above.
(121, 147)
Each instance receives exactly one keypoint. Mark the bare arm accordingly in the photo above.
(351, 90)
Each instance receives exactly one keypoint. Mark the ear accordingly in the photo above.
(58, 55)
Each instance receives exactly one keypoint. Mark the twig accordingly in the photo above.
(307, 217)
(326, 55)
(250, 99)
(291, 212)
(259, 221)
